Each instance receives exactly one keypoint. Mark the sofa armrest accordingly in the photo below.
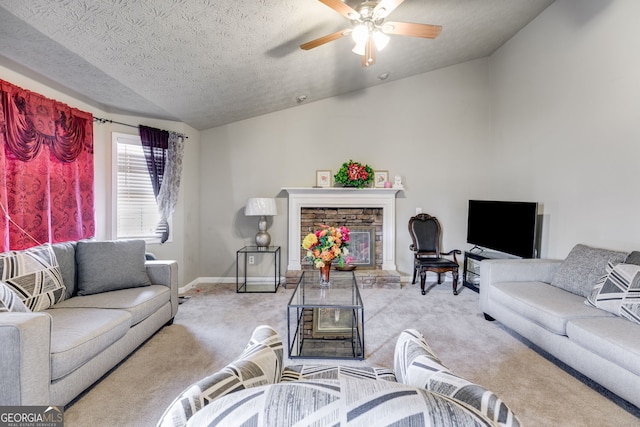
(25, 358)
(165, 272)
(416, 364)
(514, 270)
(259, 364)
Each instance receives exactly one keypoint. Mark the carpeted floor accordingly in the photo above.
(214, 324)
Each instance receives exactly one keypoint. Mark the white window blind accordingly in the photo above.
(137, 214)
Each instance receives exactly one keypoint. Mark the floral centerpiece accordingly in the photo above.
(354, 174)
(326, 245)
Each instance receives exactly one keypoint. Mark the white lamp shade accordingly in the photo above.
(380, 39)
(258, 206)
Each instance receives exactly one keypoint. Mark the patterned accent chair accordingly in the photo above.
(252, 390)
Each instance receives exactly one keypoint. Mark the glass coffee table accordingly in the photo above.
(326, 322)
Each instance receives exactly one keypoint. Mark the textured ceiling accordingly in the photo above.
(212, 62)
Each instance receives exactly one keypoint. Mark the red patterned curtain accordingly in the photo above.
(46, 170)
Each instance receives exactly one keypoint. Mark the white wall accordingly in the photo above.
(566, 132)
(432, 129)
(183, 247)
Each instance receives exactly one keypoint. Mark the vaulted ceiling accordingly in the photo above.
(211, 62)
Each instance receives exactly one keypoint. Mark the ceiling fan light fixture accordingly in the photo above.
(360, 34)
(359, 48)
(380, 39)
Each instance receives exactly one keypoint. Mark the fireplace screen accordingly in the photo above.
(362, 246)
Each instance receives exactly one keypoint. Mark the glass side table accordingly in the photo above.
(326, 322)
(253, 269)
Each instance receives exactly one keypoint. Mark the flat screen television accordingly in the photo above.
(509, 227)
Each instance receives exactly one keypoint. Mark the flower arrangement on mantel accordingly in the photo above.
(327, 244)
(354, 174)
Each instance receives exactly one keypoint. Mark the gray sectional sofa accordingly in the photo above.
(82, 308)
(584, 310)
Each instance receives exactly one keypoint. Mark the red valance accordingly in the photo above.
(31, 121)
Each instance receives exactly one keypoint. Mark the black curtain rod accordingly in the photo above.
(101, 120)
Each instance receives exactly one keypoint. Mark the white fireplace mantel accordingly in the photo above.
(305, 197)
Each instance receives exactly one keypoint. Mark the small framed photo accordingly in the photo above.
(379, 178)
(323, 178)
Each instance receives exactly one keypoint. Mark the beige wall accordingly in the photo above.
(431, 129)
(567, 133)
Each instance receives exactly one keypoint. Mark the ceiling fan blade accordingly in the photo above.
(426, 31)
(324, 39)
(342, 8)
(385, 7)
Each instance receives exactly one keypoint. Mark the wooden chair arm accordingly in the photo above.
(454, 253)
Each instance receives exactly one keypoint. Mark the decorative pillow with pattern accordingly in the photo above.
(9, 301)
(34, 275)
(416, 364)
(582, 268)
(618, 292)
(259, 364)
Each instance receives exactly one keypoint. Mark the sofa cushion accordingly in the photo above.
(543, 304)
(34, 276)
(9, 300)
(66, 256)
(260, 363)
(139, 302)
(331, 372)
(582, 268)
(109, 266)
(79, 334)
(613, 338)
(619, 292)
(344, 402)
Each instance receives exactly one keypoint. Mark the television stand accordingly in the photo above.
(471, 271)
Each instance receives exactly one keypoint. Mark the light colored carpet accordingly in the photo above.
(213, 326)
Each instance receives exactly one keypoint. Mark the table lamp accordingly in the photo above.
(261, 206)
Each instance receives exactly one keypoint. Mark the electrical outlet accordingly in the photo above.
(252, 259)
(418, 211)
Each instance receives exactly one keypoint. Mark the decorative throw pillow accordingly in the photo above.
(9, 301)
(33, 274)
(618, 292)
(583, 267)
(110, 266)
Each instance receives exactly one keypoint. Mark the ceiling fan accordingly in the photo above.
(370, 29)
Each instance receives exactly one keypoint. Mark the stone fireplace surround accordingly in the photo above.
(339, 197)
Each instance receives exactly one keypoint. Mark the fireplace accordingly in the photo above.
(366, 231)
(379, 198)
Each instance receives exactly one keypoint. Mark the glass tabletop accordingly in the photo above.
(343, 291)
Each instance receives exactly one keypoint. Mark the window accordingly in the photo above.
(135, 208)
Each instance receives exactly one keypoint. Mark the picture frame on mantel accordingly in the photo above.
(379, 178)
(323, 178)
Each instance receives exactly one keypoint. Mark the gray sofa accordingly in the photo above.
(99, 302)
(578, 310)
